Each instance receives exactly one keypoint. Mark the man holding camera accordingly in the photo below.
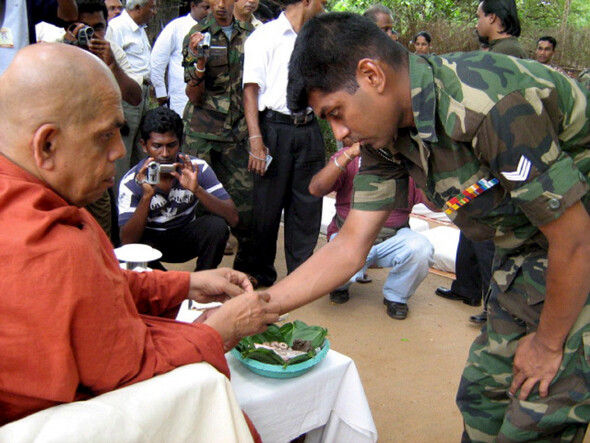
(213, 54)
(89, 33)
(157, 206)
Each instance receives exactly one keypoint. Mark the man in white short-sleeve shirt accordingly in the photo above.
(167, 52)
(295, 144)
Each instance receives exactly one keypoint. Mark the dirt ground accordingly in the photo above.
(410, 368)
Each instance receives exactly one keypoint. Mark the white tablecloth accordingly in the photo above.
(192, 403)
(328, 403)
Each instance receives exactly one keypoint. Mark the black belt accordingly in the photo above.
(297, 120)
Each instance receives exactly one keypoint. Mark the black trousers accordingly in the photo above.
(298, 154)
(473, 268)
(205, 238)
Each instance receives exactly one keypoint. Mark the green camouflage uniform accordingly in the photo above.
(487, 116)
(215, 130)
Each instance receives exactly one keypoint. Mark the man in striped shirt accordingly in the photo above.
(164, 215)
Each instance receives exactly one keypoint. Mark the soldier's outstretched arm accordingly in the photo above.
(333, 264)
(538, 355)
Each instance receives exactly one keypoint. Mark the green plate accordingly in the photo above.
(277, 371)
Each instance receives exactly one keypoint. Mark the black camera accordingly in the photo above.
(83, 36)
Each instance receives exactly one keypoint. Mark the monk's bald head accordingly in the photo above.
(51, 83)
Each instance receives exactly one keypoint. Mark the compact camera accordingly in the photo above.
(204, 45)
(83, 36)
(154, 169)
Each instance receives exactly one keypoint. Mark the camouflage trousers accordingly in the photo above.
(488, 413)
(230, 164)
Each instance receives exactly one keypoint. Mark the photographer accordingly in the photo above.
(162, 214)
(93, 13)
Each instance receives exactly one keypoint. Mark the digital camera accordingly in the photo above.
(83, 36)
(204, 45)
(154, 169)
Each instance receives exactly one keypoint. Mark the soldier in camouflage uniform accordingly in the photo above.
(215, 127)
(502, 146)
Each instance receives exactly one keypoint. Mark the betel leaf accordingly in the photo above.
(300, 358)
(287, 333)
(314, 334)
(265, 356)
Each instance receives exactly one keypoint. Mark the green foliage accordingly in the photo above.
(452, 24)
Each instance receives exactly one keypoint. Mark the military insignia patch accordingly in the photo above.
(469, 194)
(522, 170)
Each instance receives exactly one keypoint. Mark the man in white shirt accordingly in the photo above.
(19, 17)
(294, 142)
(167, 52)
(244, 12)
(114, 8)
(128, 31)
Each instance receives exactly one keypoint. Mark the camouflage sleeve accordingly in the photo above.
(189, 60)
(518, 140)
(381, 183)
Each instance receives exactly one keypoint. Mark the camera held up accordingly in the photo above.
(204, 45)
(154, 169)
(82, 36)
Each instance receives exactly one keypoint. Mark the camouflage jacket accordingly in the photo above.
(509, 46)
(220, 115)
(487, 116)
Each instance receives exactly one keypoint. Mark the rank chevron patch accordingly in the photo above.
(522, 170)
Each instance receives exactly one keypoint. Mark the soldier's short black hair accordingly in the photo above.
(506, 11)
(91, 6)
(327, 51)
(161, 121)
(548, 38)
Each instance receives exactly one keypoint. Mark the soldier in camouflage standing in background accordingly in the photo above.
(215, 127)
(501, 145)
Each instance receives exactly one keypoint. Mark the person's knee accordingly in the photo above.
(421, 250)
(219, 228)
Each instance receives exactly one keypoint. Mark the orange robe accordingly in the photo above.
(72, 323)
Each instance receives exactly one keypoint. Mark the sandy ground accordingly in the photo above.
(410, 368)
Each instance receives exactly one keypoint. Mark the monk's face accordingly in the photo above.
(86, 164)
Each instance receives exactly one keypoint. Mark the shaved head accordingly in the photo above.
(52, 97)
(51, 82)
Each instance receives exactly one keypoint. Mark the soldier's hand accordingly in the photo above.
(257, 157)
(533, 363)
(193, 45)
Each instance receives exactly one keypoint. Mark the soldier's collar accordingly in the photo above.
(210, 23)
(423, 97)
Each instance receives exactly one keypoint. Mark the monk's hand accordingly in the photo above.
(534, 363)
(217, 285)
(243, 316)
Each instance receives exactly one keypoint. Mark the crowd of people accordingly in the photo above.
(234, 145)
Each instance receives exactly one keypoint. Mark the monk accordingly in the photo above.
(74, 324)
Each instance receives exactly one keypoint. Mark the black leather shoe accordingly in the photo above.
(398, 311)
(479, 318)
(450, 295)
(339, 296)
